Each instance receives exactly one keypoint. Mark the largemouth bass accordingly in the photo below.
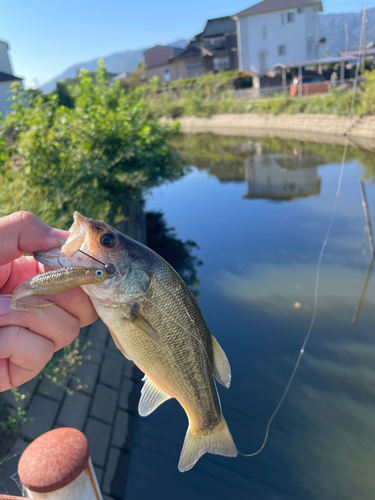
(156, 322)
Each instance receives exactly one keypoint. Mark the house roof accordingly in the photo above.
(270, 5)
(192, 50)
(217, 27)
(159, 55)
(314, 62)
(6, 77)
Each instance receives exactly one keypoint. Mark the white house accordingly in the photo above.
(267, 178)
(6, 77)
(277, 31)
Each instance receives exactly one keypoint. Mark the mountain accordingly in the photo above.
(332, 28)
(120, 62)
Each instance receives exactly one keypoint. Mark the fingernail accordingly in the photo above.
(4, 305)
(59, 234)
(61, 241)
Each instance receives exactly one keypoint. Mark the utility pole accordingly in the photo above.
(364, 21)
(346, 38)
(360, 51)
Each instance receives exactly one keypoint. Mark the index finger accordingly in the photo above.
(23, 232)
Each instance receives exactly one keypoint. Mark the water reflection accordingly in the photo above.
(178, 253)
(280, 176)
(260, 259)
(276, 177)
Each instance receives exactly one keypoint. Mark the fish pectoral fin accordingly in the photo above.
(221, 369)
(144, 325)
(118, 345)
(151, 397)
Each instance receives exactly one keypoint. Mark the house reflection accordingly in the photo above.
(276, 177)
(271, 169)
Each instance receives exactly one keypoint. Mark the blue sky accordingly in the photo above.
(46, 37)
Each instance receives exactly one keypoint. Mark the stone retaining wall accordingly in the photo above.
(316, 128)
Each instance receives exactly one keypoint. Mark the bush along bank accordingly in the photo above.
(212, 94)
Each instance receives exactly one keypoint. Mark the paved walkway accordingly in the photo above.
(105, 412)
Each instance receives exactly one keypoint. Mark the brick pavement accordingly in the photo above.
(105, 411)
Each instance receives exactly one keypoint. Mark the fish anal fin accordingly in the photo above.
(221, 369)
(219, 442)
(151, 397)
(118, 345)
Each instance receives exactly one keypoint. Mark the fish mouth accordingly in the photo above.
(68, 254)
(78, 232)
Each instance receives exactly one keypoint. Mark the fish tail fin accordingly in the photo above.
(218, 441)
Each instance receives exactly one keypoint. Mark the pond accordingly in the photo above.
(259, 212)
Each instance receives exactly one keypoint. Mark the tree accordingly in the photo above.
(94, 158)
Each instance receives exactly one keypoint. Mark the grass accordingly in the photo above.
(214, 94)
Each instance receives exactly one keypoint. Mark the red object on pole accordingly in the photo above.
(53, 460)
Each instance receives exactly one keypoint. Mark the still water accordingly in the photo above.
(259, 212)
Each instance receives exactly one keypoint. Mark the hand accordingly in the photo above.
(27, 340)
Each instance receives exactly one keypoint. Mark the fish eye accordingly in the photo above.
(99, 272)
(108, 240)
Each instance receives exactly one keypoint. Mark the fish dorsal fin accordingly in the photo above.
(151, 397)
(221, 370)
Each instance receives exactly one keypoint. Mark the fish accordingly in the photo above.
(156, 322)
(54, 281)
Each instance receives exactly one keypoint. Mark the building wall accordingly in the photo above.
(5, 65)
(158, 55)
(299, 37)
(188, 68)
(158, 71)
(4, 94)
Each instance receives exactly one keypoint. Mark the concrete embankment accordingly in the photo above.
(330, 129)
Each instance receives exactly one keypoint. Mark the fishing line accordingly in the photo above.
(10, 458)
(110, 267)
(302, 350)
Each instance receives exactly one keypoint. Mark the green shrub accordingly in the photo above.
(96, 153)
(367, 101)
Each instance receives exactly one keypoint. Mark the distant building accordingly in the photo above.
(6, 77)
(156, 62)
(277, 31)
(212, 50)
(282, 178)
(118, 77)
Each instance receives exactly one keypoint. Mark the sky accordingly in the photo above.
(46, 37)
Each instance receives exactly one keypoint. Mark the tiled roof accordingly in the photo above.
(217, 27)
(270, 5)
(194, 49)
(6, 77)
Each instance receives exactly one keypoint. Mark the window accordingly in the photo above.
(282, 50)
(264, 32)
(262, 62)
(167, 76)
(282, 18)
(193, 64)
(290, 16)
(221, 63)
(301, 10)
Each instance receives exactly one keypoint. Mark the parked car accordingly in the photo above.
(310, 85)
